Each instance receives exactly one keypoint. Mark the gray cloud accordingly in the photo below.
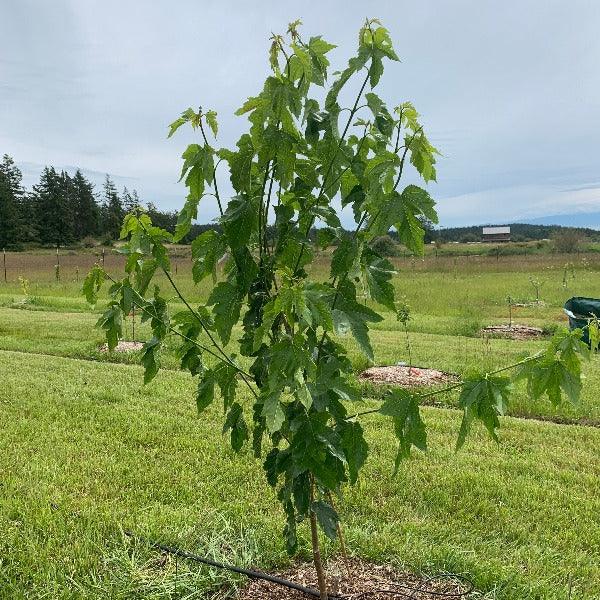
(508, 91)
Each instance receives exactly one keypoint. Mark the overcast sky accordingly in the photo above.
(508, 91)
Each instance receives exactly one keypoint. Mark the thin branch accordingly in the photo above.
(404, 156)
(214, 170)
(170, 328)
(199, 319)
(454, 386)
(320, 194)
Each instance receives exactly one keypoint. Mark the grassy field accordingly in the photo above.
(87, 451)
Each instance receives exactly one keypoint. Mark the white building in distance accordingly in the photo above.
(496, 234)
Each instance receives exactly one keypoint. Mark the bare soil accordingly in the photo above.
(406, 376)
(514, 332)
(359, 580)
(123, 346)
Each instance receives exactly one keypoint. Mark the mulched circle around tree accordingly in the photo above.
(406, 376)
(359, 580)
(123, 346)
(514, 332)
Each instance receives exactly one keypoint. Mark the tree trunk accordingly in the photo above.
(315, 546)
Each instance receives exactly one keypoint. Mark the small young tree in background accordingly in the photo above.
(289, 171)
(403, 315)
(537, 286)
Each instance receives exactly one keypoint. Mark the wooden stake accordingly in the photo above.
(4, 252)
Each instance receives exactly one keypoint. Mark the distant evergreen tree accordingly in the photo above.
(164, 220)
(53, 201)
(129, 201)
(11, 198)
(112, 210)
(87, 212)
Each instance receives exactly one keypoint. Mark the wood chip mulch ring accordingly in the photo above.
(406, 376)
(123, 346)
(514, 332)
(359, 580)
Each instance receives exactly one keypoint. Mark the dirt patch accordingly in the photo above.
(538, 303)
(123, 346)
(406, 376)
(367, 581)
(514, 332)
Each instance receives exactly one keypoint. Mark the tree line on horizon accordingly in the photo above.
(63, 209)
(519, 232)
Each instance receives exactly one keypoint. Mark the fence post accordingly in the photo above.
(57, 266)
(4, 253)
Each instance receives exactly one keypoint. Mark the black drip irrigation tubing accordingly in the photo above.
(408, 593)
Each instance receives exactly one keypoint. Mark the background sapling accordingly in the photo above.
(510, 303)
(403, 315)
(537, 286)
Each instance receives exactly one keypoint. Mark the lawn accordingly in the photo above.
(87, 451)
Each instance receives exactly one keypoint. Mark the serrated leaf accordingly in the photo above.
(237, 425)
(327, 518)
(112, 323)
(93, 283)
(185, 117)
(226, 308)
(206, 391)
(207, 249)
(483, 397)
(226, 377)
(350, 316)
(239, 220)
(378, 272)
(355, 447)
(345, 257)
(211, 119)
(273, 413)
(317, 298)
(404, 211)
(187, 214)
(304, 397)
(403, 407)
(149, 359)
(422, 155)
(240, 163)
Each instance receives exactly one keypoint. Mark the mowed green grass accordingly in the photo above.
(87, 451)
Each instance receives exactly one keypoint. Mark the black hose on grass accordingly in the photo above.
(248, 572)
(409, 592)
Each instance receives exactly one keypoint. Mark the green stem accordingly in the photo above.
(339, 145)
(200, 320)
(183, 336)
(214, 171)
